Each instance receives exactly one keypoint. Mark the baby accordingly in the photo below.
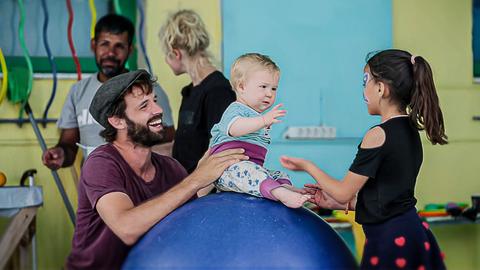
(254, 77)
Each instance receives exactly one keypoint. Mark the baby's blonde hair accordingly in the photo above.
(184, 30)
(248, 62)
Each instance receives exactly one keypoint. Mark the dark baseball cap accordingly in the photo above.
(110, 91)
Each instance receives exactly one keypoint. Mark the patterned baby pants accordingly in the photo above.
(251, 178)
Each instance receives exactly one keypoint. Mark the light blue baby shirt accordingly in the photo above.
(236, 110)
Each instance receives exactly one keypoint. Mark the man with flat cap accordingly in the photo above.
(125, 188)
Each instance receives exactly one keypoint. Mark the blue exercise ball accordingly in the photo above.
(236, 231)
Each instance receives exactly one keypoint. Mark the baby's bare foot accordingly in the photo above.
(292, 188)
(290, 198)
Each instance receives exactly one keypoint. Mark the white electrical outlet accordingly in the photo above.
(310, 133)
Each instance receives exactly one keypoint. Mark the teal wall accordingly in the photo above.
(320, 47)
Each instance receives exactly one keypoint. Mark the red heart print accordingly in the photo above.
(401, 262)
(400, 241)
(374, 260)
(427, 246)
(425, 224)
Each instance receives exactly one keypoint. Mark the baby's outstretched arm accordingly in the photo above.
(245, 125)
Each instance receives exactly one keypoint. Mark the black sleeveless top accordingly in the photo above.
(392, 170)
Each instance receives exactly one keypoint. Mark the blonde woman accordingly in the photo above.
(185, 42)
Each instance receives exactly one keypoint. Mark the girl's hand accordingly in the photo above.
(321, 198)
(270, 117)
(314, 190)
(294, 164)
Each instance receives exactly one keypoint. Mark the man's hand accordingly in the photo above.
(53, 158)
(270, 117)
(210, 167)
(63, 154)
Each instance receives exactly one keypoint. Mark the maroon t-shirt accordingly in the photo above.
(94, 245)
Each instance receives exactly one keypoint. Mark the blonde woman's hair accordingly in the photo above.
(184, 30)
(249, 62)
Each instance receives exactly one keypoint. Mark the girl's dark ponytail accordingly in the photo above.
(425, 112)
(411, 83)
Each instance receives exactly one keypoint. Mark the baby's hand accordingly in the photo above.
(270, 117)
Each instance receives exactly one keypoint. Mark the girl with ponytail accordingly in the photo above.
(380, 183)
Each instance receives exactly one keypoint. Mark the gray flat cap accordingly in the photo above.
(110, 91)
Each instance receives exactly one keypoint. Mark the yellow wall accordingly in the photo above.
(441, 31)
(20, 150)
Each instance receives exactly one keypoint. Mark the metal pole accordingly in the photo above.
(60, 187)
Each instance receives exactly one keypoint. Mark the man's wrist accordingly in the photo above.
(61, 146)
(191, 183)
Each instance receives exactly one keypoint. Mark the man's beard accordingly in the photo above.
(111, 71)
(142, 135)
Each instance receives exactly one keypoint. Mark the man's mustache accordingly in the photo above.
(113, 59)
(155, 118)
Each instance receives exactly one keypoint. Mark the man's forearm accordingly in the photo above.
(133, 223)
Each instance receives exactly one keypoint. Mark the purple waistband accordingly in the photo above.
(255, 152)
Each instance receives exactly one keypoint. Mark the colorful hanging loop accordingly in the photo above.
(52, 62)
(93, 21)
(3, 64)
(21, 36)
(70, 40)
(117, 7)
